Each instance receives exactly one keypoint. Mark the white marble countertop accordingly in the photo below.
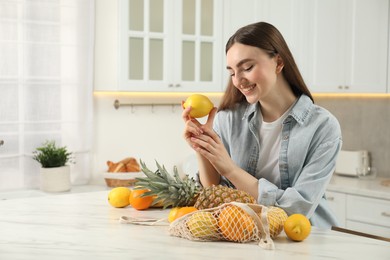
(353, 185)
(83, 225)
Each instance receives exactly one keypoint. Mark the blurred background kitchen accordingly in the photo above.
(64, 63)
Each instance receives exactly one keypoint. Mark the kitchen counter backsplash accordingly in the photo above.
(365, 126)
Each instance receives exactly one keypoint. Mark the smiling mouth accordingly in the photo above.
(247, 88)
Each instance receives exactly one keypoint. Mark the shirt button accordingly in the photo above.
(285, 137)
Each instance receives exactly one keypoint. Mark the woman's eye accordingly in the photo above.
(249, 68)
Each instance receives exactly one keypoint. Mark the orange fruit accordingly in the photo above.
(297, 227)
(119, 197)
(159, 204)
(235, 224)
(172, 214)
(200, 105)
(138, 202)
(184, 211)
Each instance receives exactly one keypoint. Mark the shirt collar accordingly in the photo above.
(301, 109)
(299, 112)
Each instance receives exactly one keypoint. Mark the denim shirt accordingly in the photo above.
(310, 142)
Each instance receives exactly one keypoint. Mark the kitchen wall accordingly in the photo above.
(365, 126)
(148, 133)
(155, 132)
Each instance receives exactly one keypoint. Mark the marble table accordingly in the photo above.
(84, 226)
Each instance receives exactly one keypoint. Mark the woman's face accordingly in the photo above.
(252, 70)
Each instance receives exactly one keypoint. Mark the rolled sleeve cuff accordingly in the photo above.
(267, 192)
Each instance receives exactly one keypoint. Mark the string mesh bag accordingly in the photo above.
(235, 222)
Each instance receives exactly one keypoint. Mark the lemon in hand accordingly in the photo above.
(200, 105)
(119, 197)
(297, 227)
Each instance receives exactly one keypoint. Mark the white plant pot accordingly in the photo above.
(55, 179)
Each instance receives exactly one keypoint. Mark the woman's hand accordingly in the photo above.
(193, 127)
(210, 146)
(205, 141)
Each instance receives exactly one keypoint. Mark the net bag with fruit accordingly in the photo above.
(236, 222)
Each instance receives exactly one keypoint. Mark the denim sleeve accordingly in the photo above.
(309, 185)
(223, 181)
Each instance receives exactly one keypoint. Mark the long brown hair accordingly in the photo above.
(266, 37)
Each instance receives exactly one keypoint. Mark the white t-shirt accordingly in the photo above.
(270, 136)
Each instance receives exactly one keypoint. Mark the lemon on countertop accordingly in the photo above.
(119, 197)
(297, 227)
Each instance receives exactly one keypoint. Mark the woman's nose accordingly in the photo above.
(240, 81)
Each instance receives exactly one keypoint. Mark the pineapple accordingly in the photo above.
(174, 191)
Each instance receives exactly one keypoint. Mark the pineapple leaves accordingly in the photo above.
(169, 189)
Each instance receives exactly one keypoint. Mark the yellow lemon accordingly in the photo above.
(276, 218)
(172, 214)
(200, 105)
(203, 225)
(297, 227)
(119, 197)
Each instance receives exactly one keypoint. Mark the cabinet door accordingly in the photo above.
(292, 19)
(106, 46)
(349, 46)
(170, 45)
(234, 18)
(368, 210)
(368, 46)
(337, 203)
(197, 46)
(368, 215)
(327, 37)
(145, 36)
(368, 228)
(289, 17)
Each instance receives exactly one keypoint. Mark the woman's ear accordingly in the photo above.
(279, 64)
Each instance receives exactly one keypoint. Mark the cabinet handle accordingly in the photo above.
(330, 198)
(346, 87)
(1, 142)
(385, 214)
(340, 87)
(170, 86)
(177, 85)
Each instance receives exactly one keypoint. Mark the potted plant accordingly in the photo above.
(54, 172)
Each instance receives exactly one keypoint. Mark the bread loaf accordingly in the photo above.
(128, 164)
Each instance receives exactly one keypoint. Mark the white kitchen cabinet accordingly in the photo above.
(368, 215)
(106, 51)
(337, 201)
(339, 46)
(235, 15)
(361, 213)
(349, 46)
(289, 17)
(158, 45)
(170, 45)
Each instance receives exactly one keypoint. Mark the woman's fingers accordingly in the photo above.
(186, 112)
(192, 127)
(210, 118)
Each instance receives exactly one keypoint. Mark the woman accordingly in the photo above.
(268, 138)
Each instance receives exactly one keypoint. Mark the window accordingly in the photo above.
(46, 49)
